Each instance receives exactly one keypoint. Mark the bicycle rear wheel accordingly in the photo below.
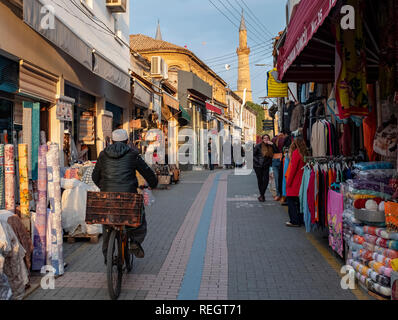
(114, 264)
(128, 257)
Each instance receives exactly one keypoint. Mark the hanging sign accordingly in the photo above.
(107, 118)
(64, 108)
(86, 130)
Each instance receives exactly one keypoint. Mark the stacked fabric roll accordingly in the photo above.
(2, 182)
(9, 174)
(23, 180)
(372, 249)
(40, 222)
(54, 216)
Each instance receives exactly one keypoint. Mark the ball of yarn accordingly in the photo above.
(381, 206)
(358, 204)
(371, 205)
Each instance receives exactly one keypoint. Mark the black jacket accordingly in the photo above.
(258, 160)
(116, 166)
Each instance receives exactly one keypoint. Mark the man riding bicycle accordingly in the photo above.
(115, 171)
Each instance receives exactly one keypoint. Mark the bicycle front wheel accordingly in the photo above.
(114, 264)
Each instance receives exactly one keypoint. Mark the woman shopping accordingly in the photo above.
(297, 152)
(262, 161)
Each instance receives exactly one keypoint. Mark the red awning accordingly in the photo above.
(213, 108)
(309, 16)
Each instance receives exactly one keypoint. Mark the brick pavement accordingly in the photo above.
(250, 254)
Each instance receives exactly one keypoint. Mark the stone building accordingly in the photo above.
(201, 93)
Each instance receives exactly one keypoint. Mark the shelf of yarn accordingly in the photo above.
(370, 211)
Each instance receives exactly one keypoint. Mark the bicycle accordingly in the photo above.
(118, 255)
(116, 210)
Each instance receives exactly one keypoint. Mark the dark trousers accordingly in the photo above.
(262, 179)
(138, 234)
(294, 210)
(211, 166)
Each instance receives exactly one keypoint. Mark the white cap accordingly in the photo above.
(119, 135)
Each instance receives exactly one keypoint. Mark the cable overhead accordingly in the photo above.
(233, 15)
(255, 17)
(266, 51)
(253, 48)
(259, 32)
(256, 42)
(236, 68)
(235, 57)
(237, 18)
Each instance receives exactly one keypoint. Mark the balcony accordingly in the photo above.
(117, 6)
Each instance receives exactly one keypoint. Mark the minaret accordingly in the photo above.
(243, 63)
(158, 33)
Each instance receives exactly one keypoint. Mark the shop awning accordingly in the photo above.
(213, 108)
(171, 101)
(184, 116)
(141, 95)
(309, 16)
(225, 120)
(64, 38)
(36, 82)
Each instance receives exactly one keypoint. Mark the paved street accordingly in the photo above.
(209, 238)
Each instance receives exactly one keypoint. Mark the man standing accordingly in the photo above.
(115, 171)
(209, 145)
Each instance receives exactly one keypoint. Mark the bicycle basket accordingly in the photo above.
(114, 208)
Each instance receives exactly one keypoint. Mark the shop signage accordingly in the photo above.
(107, 118)
(304, 24)
(64, 110)
(213, 108)
(86, 130)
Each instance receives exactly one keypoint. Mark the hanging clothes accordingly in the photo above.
(345, 141)
(318, 140)
(304, 207)
(311, 196)
(370, 125)
(351, 89)
(296, 121)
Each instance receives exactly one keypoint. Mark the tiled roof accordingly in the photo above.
(140, 42)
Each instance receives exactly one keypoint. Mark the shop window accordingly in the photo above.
(117, 122)
(8, 75)
(82, 128)
(6, 120)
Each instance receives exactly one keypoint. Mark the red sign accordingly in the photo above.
(309, 16)
(213, 108)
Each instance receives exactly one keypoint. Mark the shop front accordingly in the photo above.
(194, 93)
(170, 112)
(142, 119)
(345, 111)
(52, 95)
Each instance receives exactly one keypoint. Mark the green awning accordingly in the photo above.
(184, 115)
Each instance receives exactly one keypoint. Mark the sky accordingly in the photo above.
(214, 36)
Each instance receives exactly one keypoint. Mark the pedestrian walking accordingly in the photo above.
(262, 161)
(209, 147)
(294, 176)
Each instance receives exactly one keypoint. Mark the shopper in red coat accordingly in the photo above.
(297, 152)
